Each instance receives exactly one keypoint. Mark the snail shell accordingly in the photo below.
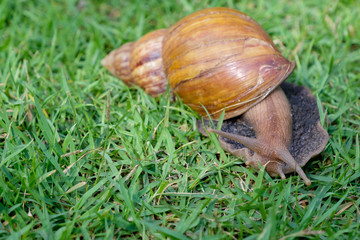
(215, 59)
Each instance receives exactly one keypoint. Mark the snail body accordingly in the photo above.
(272, 123)
(218, 60)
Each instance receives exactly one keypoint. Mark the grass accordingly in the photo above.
(82, 156)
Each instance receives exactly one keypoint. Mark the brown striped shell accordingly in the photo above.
(215, 59)
(118, 63)
(140, 63)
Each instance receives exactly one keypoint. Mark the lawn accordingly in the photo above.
(83, 156)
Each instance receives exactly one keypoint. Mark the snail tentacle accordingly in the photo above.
(281, 173)
(261, 148)
(285, 156)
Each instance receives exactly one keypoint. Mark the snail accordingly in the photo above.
(221, 60)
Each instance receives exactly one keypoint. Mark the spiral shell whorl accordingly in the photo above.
(118, 63)
(146, 63)
(140, 63)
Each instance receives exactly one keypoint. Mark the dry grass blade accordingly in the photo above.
(71, 165)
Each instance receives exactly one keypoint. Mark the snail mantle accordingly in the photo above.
(222, 60)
